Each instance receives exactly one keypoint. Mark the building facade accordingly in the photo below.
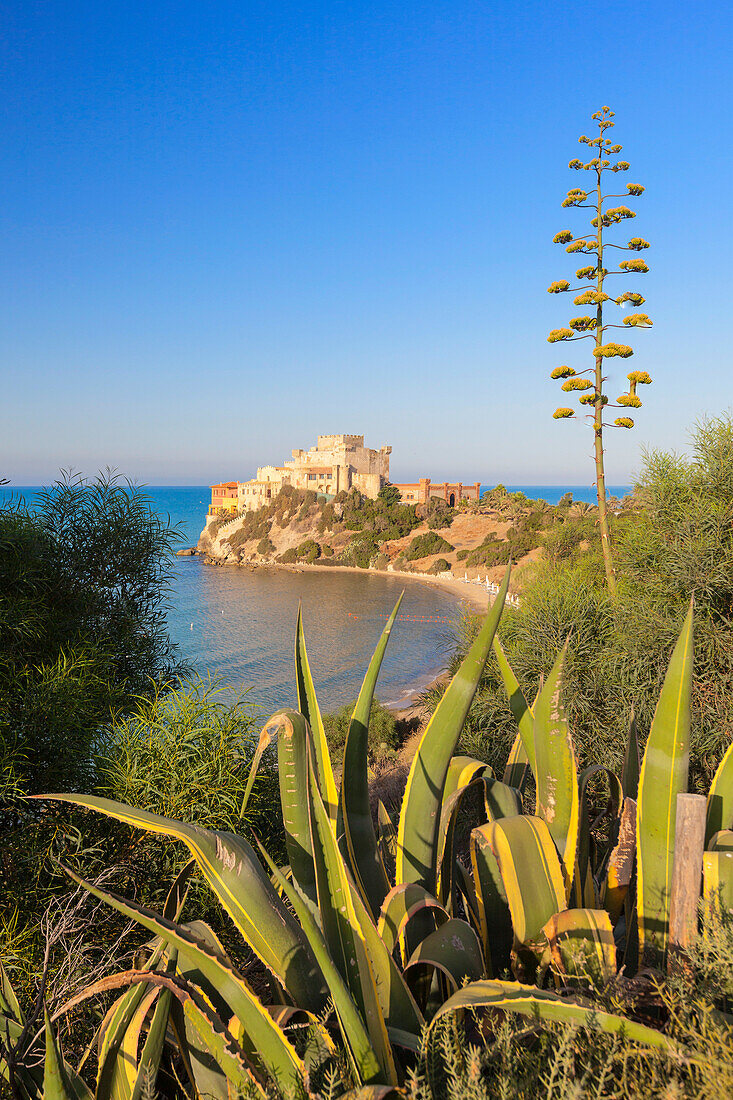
(425, 490)
(336, 463)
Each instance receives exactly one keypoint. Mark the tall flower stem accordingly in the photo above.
(598, 407)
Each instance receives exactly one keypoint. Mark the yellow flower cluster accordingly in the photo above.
(618, 213)
(582, 324)
(576, 384)
(630, 296)
(586, 273)
(562, 237)
(634, 265)
(621, 166)
(637, 243)
(559, 334)
(593, 399)
(575, 163)
(562, 414)
(562, 372)
(610, 351)
(635, 189)
(629, 400)
(582, 246)
(574, 197)
(558, 286)
(591, 297)
(636, 319)
(615, 149)
(639, 377)
(624, 422)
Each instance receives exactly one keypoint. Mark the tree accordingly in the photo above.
(389, 494)
(83, 583)
(591, 389)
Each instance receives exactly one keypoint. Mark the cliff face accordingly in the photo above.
(474, 542)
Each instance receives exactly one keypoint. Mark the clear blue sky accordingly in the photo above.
(228, 227)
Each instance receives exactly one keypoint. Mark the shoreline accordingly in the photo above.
(472, 593)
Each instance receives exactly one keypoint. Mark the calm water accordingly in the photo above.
(240, 624)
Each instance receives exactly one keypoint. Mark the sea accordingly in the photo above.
(238, 625)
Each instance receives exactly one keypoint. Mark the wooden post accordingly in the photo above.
(689, 844)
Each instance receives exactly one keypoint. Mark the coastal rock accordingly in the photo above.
(187, 552)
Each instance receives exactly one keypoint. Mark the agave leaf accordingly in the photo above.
(495, 919)
(267, 736)
(517, 769)
(343, 930)
(356, 1038)
(218, 1043)
(400, 906)
(630, 771)
(355, 816)
(663, 776)
(294, 746)
(720, 797)
(533, 1002)
(417, 840)
(452, 802)
(556, 772)
(530, 871)
(581, 944)
(584, 888)
(620, 867)
(273, 1048)
(236, 876)
(717, 878)
(9, 1003)
(121, 1075)
(454, 949)
(387, 835)
(55, 1082)
(501, 800)
(523, 715)
(308, 707)
(722, 841)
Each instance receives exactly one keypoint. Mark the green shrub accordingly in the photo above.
(309, 551)
(84, 579)
(439, 566)
(265, 547)
(422, 546)
(382, 731)
(289, 556)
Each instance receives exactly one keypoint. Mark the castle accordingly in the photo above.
(336, 463)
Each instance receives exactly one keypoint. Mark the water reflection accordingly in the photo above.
(240, 623)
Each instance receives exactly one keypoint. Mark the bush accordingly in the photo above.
(422, 546)
(265, 547)
(186, 754)
(439, 566)
(290, 556)
(83, 586)
(309, 551)
(382, 731)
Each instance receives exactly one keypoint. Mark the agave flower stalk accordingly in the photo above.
(594, 245)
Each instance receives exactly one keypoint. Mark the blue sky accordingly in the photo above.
(228, 227)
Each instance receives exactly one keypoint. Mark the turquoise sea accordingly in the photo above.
(239, 624)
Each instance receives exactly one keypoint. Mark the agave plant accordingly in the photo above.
(370, 935)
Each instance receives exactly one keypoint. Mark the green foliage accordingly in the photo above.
(187, 754)
(680, 540)
(309, 551)
(83, 585)
(265, 547)
(439, 514)
(389, 494)
(381, 961)
(382, 731)
(422, 546)
(439, 566)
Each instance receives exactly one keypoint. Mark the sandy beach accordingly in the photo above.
(474, 594)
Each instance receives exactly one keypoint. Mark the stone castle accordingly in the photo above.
(336, 463)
